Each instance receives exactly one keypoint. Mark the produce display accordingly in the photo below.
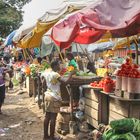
(66, 71)
(107, 84)
(124, 129)
(82, 73)
(35, 68)
(129, 70)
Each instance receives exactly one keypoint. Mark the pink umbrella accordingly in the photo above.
(120, 17)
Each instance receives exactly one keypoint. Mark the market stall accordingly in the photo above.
(115, 99)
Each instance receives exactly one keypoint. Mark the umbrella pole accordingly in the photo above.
(28, 54)
(77, 51)
(60, 55)
(136, 44)
(24, 54)
(128, 43)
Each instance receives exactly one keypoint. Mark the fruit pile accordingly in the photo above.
(107, 84)
(63, 71)
(129, 70)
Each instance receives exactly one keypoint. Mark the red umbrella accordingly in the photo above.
(121, 18)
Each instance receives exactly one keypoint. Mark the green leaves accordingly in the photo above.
(10, 15)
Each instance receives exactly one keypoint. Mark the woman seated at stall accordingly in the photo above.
(72, 61)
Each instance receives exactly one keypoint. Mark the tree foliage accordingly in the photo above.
(10, 15)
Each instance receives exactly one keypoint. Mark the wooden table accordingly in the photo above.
(96, 106)
(74, 83)
(120, 108)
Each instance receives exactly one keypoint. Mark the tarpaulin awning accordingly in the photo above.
(9, 39)
(94, 47)
(100, 46)
(46, 46)
(121, 18)
(21, 32)
(33, 38)
(123, 42)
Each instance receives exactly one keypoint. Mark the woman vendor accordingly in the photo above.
(72, 61)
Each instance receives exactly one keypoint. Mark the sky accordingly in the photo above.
(36, 8)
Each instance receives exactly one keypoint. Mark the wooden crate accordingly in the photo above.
(96, 107)
(123, 108)
(126, 95)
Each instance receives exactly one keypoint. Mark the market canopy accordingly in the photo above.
(100, 46)
(48, 20)
(9, 39)
(94, 47)
(121, 18)
(21, 32)
(123, 42)
(47, 46)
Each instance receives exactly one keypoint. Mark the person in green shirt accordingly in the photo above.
(72, 61)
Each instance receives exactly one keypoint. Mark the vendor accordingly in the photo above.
(72, 61)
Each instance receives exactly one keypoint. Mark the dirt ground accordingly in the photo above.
(22, 119)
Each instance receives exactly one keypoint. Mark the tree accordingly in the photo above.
(10, 15)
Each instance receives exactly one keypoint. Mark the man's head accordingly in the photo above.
(55, 65)
(70, 56)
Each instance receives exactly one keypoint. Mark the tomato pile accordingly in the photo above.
(63, 71)
(104, 83)
(129, 70)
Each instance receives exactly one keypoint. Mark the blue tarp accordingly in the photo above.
(9, 39)
(100, 46)
(133, 46)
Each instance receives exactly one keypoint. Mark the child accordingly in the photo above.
(53, 98)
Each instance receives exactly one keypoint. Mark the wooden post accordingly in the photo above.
(60, 55)
(128, 43)
(136, 43)
(24, 54)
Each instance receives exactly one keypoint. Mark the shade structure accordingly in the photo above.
(100, 46)
(121, 18)
(21, 32)
(47, 46)
(123, 42)
(50, 18)
(9, 39)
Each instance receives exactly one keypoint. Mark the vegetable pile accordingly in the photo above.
(129, 70)
(82, 73)
(124, 129)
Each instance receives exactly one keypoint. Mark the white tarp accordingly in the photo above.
(21, 32)
(46, 46)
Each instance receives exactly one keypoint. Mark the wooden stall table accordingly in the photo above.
(74, 84)
(96, 106)
(120, 108)
(31, 86)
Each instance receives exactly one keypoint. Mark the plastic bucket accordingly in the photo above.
(119, 82)
(108, 88)
(134, 85)
(124, 83)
